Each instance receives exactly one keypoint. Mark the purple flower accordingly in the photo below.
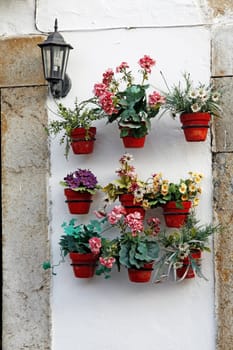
(81, 178)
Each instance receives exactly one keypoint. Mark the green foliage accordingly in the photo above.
(81, 116)
(76, 238)
(136, 251)
(134, 115)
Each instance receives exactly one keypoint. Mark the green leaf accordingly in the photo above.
(46, 265)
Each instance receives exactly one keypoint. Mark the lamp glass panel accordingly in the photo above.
(57, 62)
(46, 55)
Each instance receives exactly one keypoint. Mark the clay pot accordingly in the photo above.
(134, 142)
(186, 271)
(142, 275)
(80, 144)
(84, 265)
(195, 126)
(176, 217)
(127, 201)
(78, 202)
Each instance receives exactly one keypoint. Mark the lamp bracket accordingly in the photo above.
(60, 88)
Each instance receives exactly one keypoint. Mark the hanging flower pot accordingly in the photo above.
(128, 202)
(195, 126)
(141, 275)
(84, 265)
(186, 271)
(133, 142)
(82, 140)
(130, 140)
(176, 217)
(78, 202)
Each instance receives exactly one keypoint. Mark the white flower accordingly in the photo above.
(195, 107)
(202, 92)
(204, 98)
(139, 193)
(127, 157)
(215, 96)
(183, 246)
(193, 94)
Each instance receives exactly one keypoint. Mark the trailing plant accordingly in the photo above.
(81, 116)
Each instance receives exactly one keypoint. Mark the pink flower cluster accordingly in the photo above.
(146, 63)
(95, 245)
(116, 214)
(105, 97)
(155, 98)
(134, 222)
(107, 262)
(123, 66)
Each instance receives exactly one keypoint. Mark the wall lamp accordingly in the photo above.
(55, 52)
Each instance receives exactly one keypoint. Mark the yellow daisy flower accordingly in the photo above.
(195, 202)
(164, 189)
(192, 188)
(184, 197)
(197, 179)
(183, 188)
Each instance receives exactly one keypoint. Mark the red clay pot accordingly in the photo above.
(127, 201)
(142, 275)
(187, 270)
(176, 217)
(84, 265)
(134, 142)
(79, 143)
(78, 202)
(195, 126)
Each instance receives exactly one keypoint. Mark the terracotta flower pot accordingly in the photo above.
(134, 142)
(79, 143)
(78, 202)
(142, 275)
(176, 217)
(130, 141)
(84, 265)
(127, 201)
(186, 271)
(195, 126)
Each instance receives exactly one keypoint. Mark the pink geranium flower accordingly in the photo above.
(156, 98)
(107, 76)
(134, 222)
(146, 63)
(95, 245)
(107, 262)
(122, 67)
(116, 214)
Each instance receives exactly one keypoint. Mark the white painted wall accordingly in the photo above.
(116, 314)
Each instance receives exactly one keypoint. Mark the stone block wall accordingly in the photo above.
(222, 150)
(25, 164)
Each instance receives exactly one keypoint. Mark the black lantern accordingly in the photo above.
(55, 53)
